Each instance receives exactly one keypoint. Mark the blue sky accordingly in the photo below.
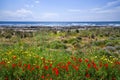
(59, 10)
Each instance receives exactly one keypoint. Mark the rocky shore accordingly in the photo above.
(58, 28)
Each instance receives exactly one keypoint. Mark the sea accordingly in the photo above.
(54, 23)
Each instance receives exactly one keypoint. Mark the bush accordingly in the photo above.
(117, 47)
(99, 43)
(109, 44)
(57, 45)
(110, 48)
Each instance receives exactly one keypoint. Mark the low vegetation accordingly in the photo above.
(92, 54)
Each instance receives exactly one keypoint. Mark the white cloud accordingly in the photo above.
(37, 1)
(18, 14)
(74, 10)
(112, 3)
(110, 7)
(50, 15)
(29, 6)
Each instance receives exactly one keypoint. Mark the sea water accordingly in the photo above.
(37, 23)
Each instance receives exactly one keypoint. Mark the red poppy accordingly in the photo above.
(6, 78)
(87, 75)
(68, 62)
(13, 65)
(28, 66)
(106, 65)
(32, 68)
(37, 67)
(100, 64)
(117, 62)
(88, 65)
(86, 60)
(25, 65)
(113, 78)
(50, 65)
(76, 67)
(46, 67)
(51, 79)
(66, 67)
(42, 77)
(2, 62)
(56, 71)
(73, 58)
(14, 57)
(80, 60)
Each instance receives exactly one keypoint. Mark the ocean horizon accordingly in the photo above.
(59, 23)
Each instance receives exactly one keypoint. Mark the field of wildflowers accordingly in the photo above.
(67, 55)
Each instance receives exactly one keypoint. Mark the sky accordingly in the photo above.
(59, 10)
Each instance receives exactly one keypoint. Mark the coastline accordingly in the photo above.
(57, 28)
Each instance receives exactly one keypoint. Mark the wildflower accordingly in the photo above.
(46, 67)
(100, 64)
(32, 68)
(28, 67)
(94, 65)
(106, 65)
(80, 60)
(42, 76)
(73, 58)
(68, 62)
(6, 78)
(51, 79)
(89, 65)
(13, 65)
(76, 67)
(56, 71)
(37, 67)
(3, 62)
(117, 62)
(48, 75)
(87, 75)
(86, 60)
(14, 57)
(50, 65)
(25, 65)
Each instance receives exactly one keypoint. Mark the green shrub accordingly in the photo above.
(57, 45)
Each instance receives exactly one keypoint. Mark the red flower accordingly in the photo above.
(32, 68)
(66, 67)
(100, 64)
(68, 62)
(106, 65)
(76, 67)
(3, 62)
(51, 79)
(46, 67)
(28, 67)
(42, 77)
(117, 62)
(50, 65)
(25, 65)
(113, 78)
(6, 78)
(89, 65)
(13, 65)
(86, 60)
(80, 60)
(37, 67)
(73, 58)
(14, 57)
(56, 71)
(94, 65)
(87, 75)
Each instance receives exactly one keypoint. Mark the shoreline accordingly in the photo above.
(37, 28)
